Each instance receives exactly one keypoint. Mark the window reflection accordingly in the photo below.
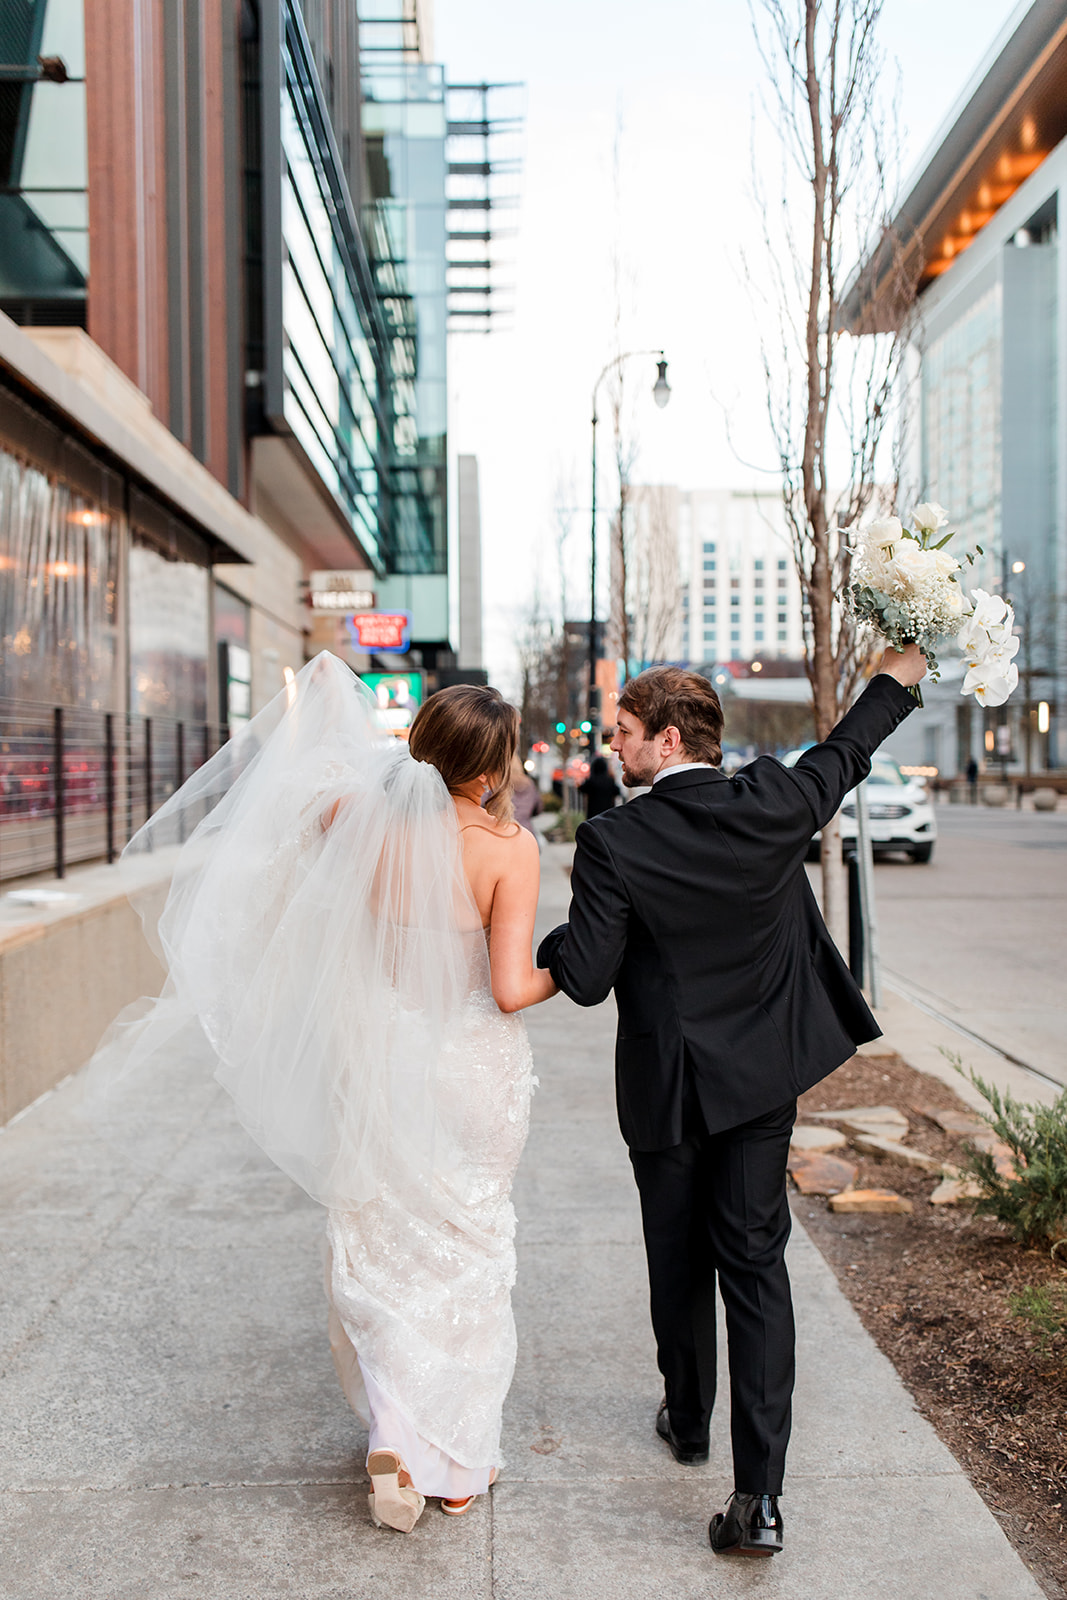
(60, 566)
(169, 628)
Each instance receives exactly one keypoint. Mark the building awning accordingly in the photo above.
(1009, 118)
(84, 391)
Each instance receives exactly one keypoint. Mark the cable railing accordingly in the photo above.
(75, 785)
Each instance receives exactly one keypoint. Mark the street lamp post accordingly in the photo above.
(661, 393)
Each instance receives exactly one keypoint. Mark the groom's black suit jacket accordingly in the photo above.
(693, 904)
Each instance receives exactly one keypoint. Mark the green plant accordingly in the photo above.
(1032, 1199)
(551, 802)
(1044, 1308)
(566, 827)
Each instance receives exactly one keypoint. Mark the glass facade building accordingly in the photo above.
(404, 132)
(44, 201)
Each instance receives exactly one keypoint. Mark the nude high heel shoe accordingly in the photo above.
(393, 1502)
(459, 1508)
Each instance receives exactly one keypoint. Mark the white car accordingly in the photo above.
(900, 810)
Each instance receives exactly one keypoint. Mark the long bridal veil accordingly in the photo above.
(319, 940)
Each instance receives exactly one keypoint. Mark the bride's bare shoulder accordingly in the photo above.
(507, 839)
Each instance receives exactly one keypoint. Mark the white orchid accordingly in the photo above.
(990, 682)
(929, 517)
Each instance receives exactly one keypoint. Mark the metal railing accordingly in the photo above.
(75, 785)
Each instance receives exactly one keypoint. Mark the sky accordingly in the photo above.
(637, 205)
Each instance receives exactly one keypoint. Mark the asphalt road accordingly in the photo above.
(979, 936)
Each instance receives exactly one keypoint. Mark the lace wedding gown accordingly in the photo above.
(419, 1284)
(327, 964)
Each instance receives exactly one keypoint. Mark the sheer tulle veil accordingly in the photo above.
(319, 940)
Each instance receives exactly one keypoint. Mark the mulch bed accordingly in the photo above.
(932, 1289)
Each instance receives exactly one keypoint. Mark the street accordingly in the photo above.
(977, 935)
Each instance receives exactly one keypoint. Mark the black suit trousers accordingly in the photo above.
(715, 1207)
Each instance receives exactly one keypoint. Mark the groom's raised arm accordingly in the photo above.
(829, 770)
(585, 953)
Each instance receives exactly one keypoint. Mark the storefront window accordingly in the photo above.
(169, 630)
(60, 594)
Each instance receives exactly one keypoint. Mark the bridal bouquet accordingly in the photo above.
(907, 586)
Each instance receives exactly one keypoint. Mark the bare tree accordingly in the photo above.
(832, 377)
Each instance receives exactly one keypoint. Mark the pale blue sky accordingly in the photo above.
(683, 77)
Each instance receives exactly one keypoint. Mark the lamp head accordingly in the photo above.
(661, 390)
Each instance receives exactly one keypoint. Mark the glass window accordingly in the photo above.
(168, 633)
(709, 549)
(61, 555)
(735, 583)
(709, 635)
(735, 599)
(709, 566)
(783, 566)
(757, 583)
(783, 616)
(735, 636)
(781, 635)
(758, 566)
(759, 635)
(758, 618)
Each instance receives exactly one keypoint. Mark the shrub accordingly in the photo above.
(1033, 1201)
(551, 802)
(1044, 1308)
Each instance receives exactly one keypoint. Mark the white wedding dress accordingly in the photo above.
(327, 964)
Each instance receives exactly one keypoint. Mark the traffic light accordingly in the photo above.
(561, 727)
(585, 726)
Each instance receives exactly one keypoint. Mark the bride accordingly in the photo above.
(347, 936)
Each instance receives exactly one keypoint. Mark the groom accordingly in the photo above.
(693, 904)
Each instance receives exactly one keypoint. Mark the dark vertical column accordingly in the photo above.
(148, 767)
(109, 781)
(59, 789)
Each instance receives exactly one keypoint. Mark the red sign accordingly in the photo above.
(380, 630)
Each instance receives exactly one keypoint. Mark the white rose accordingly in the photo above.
(945, 563)
(929, 517)
(883, 532)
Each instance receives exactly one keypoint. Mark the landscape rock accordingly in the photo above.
(879, 1202)
(816, 1173)
(962, 1122)
(871, 1146)
(876, 1130)
(862, 1114)
(953, 1191)
(1002, 1156)
(803, 1138)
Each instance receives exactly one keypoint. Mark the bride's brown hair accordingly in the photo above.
(465, 731)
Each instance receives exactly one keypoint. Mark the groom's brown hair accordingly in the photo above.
(666, 697)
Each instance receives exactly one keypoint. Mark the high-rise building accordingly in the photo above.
(980, 221)
(223, 318)
(712, 577)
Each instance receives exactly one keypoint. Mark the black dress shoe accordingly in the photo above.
(751, 1525)
(690, 1455)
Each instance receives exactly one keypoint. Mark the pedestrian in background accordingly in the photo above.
(525, 797)
(599, 790)
(972, 781)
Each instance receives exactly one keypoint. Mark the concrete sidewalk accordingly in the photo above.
(171, 1424)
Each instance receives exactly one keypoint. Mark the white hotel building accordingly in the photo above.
(740, 598)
